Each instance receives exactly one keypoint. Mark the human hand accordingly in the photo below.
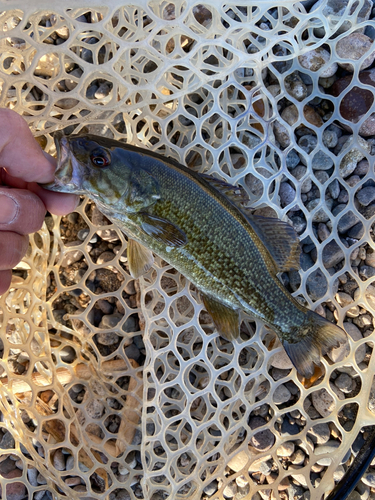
(23, 203)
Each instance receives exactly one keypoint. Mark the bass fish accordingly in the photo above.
(195, 223)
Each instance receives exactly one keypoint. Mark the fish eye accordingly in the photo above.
(100, 158)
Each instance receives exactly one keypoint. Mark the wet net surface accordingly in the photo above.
(121, 389)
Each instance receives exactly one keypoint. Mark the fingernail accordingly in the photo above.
(8, 209)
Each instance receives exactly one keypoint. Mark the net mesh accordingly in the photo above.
(122, 389)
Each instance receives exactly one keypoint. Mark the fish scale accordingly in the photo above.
(231, 256)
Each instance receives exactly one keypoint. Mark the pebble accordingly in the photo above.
(346, 222)
(106, 256)
(239, 461)
(211, 488)
(315, 59)
(357, 231)
(319, 433)
(332, 254)
(95, 408)
(366, 195)
(330, 138)
(281, 360)
(323, 402)
(369, 479)
(14, 490)
(59, 460)
(323, 231)
(335, 9)
(316, 285)
(328, 449)
(292, 159)
(295, 86)
(230, 490)
(298, 173)
(262, 440)
(287, 195)
(350, 160)
(352, 48)
(286, 449)
(341, 352)
(281, 134)
(344, 382)
(73, 256)
(281, 394)
(7, 441)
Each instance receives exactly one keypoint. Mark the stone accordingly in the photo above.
(281, 360)
(73, 256)
(355, 103)
(316, 59)
(316, 285)
(292, 159)
(330, 138)
(286, 449)
(319, 433)
(350, 160)
(295, 86)
(7, 441)
(239, 461)
(281, 134)
(369, 479)
(327, 449)
(323, 402)
(321, 176)
(281, 395)
(344, 382)
(367, 272)
(334, 10)
(366, 195)
(59, 460)
(321, 161)
(352, 48)
(106, 256)
(357, 231)
(262, 440)
(290, 114)
(346, 222)
(110, 320)
(287, 195)
(320, 215)
(95, 408)
(14, 490)
(323, 231)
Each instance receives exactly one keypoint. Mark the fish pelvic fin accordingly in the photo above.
(316, 337)
(226, 319)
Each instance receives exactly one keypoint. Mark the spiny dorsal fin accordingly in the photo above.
(226, 319)
(140, 258)
(236, 194)
(279, 238)
(161, 229)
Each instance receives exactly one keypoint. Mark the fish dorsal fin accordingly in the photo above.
(161, 229)
(236, 194)
(140, 258)
(226, 319)
(279, 238)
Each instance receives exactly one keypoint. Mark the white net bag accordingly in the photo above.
(118, 389)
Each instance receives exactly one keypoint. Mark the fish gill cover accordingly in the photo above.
(122, 389)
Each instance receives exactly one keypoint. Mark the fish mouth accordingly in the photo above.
(67, 179)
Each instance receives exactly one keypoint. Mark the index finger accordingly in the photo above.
(20, 154)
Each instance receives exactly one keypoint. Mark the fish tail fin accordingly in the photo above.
(317, 336)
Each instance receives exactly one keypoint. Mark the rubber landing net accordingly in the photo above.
(119, 389)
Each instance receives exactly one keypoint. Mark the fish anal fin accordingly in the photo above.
(280, 239)
(161, 229)
(226, 319)
(140, 258)
(317, 336)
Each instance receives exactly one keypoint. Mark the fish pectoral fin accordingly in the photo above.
(162, 230)
(140, 258)
(280, 239)
(226, 319)
(317, 336)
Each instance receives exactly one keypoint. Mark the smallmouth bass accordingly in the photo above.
(194, 223)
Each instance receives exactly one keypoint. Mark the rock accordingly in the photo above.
(281, 360)
(350, 160)
(330, 138)
(298, 173)
(323, 402)
(355, 103)
(281, 134)
(281, 395)
(95, 408)
(369, 479)
(362, 168)
(367, 272)
(315, 59)
(292, 159)
(7, 441)
(286, 449)
(211, 488)
(323, 231)
(316, 285)
(73, 256)
(347, 221)
(239, 461)
(287, 195)
(59, 460)
(48, 66)
(343, 351)
(308, 143)
(262, 440)
(334, 10)
(366, 195)
(14, 490)
(328, 449)
(352, 48)
(110, 235)
(319, 433)
(299, 223)
(357, 231)
(320, 215)
(344, 382)
(290, 114)
(295, 86)
(106, 256)
(321, 161)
